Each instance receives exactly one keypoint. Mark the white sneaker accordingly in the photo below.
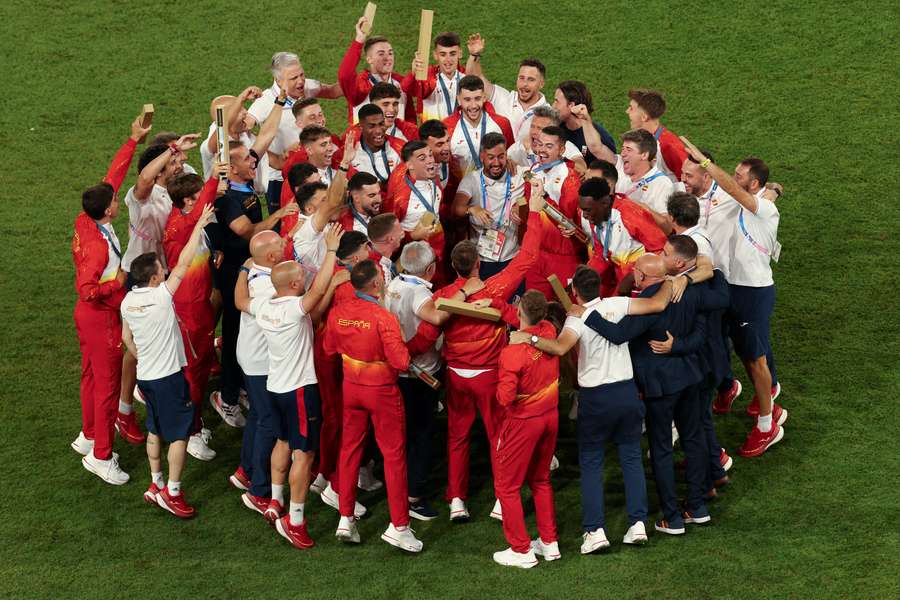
(497, 511)
(573, 412)
(548, 551)
(458, 510)
(367, 480)
(137, 395)
(554, 463)
(107, 470)
(198, 447)
(636, 534)
(404, 538)
(440, 407)
(244, 399)
(319, 484)
(346, 530)
(82, 445)
(333, 499)
(594, 541)
(230, 413)
(674, 434)
(511, 558)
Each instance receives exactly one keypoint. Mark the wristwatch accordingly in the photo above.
(534, 340)
(281, 102)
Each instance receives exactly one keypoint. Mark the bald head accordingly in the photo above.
(287, 276)
(651, 265)
(266, 248)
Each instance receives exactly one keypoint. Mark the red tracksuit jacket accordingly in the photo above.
(368, 338)
(197, 283)
(528, 379)
(475, 343)
(90, 251)
(356, 86)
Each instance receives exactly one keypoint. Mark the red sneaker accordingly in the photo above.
(724, 400)
(175, 504)
(758, 442)
(257, 503)
(240, 480)
(753, 407)
(295, 534)
(779, 415)
(129, 430)
(725, 460)
(151, 493)
(273, 511)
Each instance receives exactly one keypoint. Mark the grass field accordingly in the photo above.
(809, 86)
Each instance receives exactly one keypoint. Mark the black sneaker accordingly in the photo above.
(422, 510)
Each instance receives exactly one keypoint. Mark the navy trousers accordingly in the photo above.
(610, 413)
(420, 403)
(259, 437)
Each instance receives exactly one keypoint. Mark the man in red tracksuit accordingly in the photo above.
(99, 281)
(528, 388)
(380, 58)
(472, 349)
(560, 252)
(368, 338)
(196, 317)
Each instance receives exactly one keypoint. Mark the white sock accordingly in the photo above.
(174, 487)
(158, 479)
(278, 493)
(296, 513)
(125, 409)
(764, 423)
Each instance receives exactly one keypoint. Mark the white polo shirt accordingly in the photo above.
(459, 146)
(718, 212)
(753, 244)
(520, 155)
(146, 224)
(289, 336)
(435, 106)
(260, 182)
(309, 248)
(506, 103)
(288, 134)
(652, 190)
(404, 296)
(150, 315)
(599, 361)
(252, 350)
(502, 195)
(704, 245)
(379, 163)
(416, 209)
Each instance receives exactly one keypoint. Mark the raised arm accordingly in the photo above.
(330, 91)
(148, 175)
(190, 249)
(118, 168)
(475, 45)
(319, 286)
(725, 181)
(592, 138)
(347, 77)
(269, 128)
(337, 191)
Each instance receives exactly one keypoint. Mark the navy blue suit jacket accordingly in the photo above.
(658, 374)
(711, 348)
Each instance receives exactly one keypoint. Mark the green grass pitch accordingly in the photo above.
(809, 86)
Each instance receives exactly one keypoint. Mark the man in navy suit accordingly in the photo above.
(669, 383)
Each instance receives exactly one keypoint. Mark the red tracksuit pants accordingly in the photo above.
(328, 373)
(383, 406)
(100, 341)
(197, 323)
(550, 263)
(524, 450)
(464, 395)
